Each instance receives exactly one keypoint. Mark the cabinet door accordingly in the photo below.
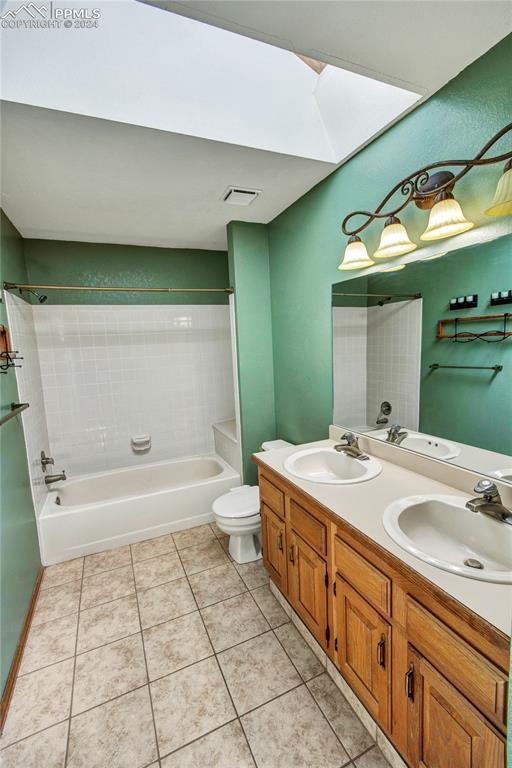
(307, 574)
(364, 652)
(273, 534)
(444, 729)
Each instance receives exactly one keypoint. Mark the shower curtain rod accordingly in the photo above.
(383, 295)
(32, 286)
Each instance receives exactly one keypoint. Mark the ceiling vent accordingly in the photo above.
(240, 196)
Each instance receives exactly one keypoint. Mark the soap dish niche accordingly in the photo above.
(141, 443)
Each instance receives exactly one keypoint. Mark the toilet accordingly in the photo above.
(237, 514)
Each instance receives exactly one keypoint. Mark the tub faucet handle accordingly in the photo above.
(46, 461)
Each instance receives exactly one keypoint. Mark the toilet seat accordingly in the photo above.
(238, 503)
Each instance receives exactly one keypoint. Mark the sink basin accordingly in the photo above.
(437, 447)
(442, 532)
(325, 465)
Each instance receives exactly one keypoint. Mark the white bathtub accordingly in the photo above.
(122, 506)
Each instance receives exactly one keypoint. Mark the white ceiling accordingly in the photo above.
(410, 43)
(72, 177)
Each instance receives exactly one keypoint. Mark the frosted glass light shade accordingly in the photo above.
(356, 255)
(434, 256)
(394, 240)
(502, 203)
(446, 219)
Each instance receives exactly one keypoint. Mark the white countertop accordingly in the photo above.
(362, 505)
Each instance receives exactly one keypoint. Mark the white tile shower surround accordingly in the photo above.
(112, 372)
(393, 361)
(349, 325)
(376, 357)
(30, 390)
(110, 677)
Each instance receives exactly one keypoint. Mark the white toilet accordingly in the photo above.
(237, 513)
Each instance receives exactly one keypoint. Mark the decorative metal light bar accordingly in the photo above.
(428, 191)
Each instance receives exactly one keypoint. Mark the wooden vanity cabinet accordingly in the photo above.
(430, 672)
(444, 729)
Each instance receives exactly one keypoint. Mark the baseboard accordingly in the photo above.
(13, 672)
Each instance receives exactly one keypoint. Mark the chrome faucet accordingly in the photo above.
(395, 436)
(49, 479)
(490, 503)
(351, 447)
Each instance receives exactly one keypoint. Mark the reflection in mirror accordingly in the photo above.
(443, 389)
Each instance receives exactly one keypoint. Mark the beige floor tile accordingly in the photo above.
(176, 644)
(46, 749)
(217, 531)
(347, 726)
(165, 602)
(160, 545)
(257, 671)
(107, 622)
(299, 652)
(107, 586)
(216, 584)
(203, 556)
(224, 748)
(291, 731)
(48, 643)
(157, 570)
(189, 704)
(119, 734)
(233, 621)
(108, 672)
(56, 575)
(269, 606)
(40, 699)
(372, 759)
(193, 536)
(56, 602)
(254, 574)
(107, 561)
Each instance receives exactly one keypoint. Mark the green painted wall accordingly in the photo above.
(97, 264)
(249, 275)
(306, 244)
(473, 407)
(19, 550)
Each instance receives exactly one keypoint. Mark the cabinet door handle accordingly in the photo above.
(280, 541)
(409, 682)
(381, 651)
(291, 554)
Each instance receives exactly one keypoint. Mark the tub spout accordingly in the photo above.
(49, 479)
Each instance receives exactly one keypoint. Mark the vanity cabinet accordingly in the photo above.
(307, 585)
(273, 535)
(444, 729)
(363, 650)
(431, 673)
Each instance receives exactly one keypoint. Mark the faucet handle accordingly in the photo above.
(488, 488)
(349, 437)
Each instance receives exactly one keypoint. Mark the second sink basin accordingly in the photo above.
(325, 465)
(441, 531)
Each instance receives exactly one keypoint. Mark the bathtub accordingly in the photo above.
(95, 512)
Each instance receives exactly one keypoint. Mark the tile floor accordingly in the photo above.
(167, 654)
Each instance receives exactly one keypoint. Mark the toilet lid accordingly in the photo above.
(238, 503)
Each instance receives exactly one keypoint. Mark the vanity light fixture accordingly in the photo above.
(394, 240)
(429, 188)
(446, 218)
(356, 255)
(502, 203)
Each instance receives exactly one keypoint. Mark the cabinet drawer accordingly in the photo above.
(272, 496)
(373, 585)
(309, 528)
(483, 683)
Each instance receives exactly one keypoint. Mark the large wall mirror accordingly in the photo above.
(422, 357)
